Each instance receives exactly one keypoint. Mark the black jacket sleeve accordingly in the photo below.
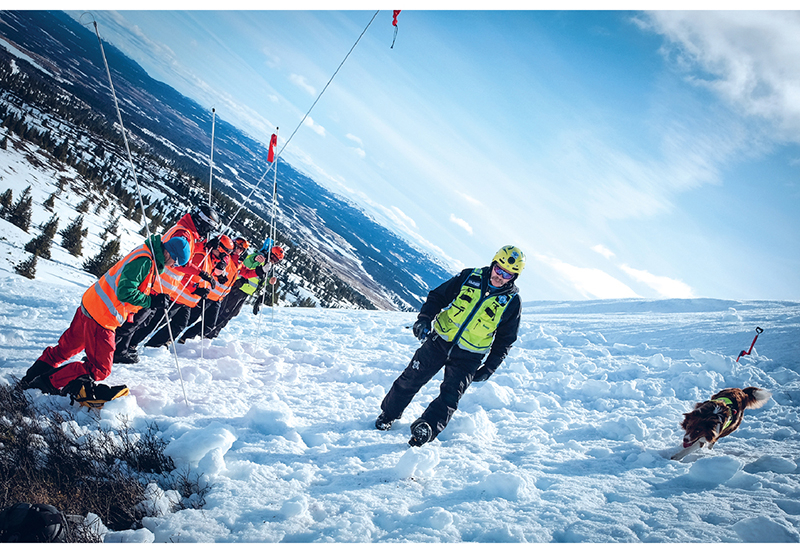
(441, 296)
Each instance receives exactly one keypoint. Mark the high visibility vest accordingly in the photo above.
(471, 320)
(100, 300)
(172, 280)
(223, 288)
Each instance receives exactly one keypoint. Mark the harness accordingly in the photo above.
(725, 402)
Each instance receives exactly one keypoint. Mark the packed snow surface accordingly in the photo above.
(570, 441)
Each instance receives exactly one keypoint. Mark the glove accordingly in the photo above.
(273, 280)
(421, 328)
(208, 278)
(222, 279)
(260, 270)
(202, 292)
(256, 308)
(159, 301)
(482, 374)
(221, 265)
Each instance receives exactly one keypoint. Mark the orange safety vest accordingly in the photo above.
(222, 288)
(173, 279)
(100, 300)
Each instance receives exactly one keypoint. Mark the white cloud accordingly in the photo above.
(590, 283)
(666, 287)
(355, 139)
(602, 250)
(360, 153)
(469, 198)
(462, 223)
(319, 129)
(300, 81)
(748, 57)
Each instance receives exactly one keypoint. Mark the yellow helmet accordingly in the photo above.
(511, 259)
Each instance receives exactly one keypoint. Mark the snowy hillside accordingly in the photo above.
(569, 442)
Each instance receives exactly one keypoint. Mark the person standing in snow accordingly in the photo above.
(195, 227)
(122, 291)
(475, 318)
(208, 309)
(252, 277)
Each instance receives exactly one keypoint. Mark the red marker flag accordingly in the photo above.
(395, 13)
(272, 143)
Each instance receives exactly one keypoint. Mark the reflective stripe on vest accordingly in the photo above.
(100, 300)
(223, 288)
(171, 281)
(472, 320)
(250, 286)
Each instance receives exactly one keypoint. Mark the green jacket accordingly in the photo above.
(137, 270)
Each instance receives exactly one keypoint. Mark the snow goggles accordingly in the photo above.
(499, 271)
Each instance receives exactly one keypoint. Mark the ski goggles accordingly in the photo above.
(499, 271)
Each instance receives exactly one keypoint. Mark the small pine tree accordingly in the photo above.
(50, 227)
(27, 267)
(50, 202)
(6, 198)
(4, 142)
(72, 237)
(40, 246)
(103, 261)
(83, 207)
(20, 213)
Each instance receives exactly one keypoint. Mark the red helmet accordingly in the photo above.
(242, 242)
(225, 243)
(277, 253)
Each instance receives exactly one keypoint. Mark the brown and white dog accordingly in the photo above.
(718, 417)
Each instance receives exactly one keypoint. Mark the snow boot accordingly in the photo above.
(421, 433)
(127, 357)
(43, 384)
(38, 368)
(383, 422)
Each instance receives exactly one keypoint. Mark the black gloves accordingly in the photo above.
(421, 328)
(222, 279)
(208, 278)
(256, 307)
(482, 374)
(159, 301)
(202, 292)
(260, 270)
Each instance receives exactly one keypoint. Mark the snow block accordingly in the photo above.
(714, 470)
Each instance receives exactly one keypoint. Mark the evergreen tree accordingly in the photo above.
(50, 202)
(103, 261)
(20, 213)
(27, 268)
(50, 227)
(83, 207)
(5, 203)
(4, 142)
(72, 237)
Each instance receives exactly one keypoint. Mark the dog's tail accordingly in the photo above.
(756, 397)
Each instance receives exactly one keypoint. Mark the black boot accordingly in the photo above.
(126, 357)
(383, 422)
(421, 433)
(38, 368)
(43, 384)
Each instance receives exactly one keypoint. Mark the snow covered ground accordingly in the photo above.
(569, 442)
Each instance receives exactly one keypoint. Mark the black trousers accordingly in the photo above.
(459, 370)
(205, 314)
(178, 320)
(229, 308)
(126, 334)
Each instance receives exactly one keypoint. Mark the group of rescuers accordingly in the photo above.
(466, 325)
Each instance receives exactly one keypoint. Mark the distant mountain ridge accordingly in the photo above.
(327, 228)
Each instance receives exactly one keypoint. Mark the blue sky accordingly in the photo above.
(628, 154)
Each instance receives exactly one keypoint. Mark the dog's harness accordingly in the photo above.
(728, 403)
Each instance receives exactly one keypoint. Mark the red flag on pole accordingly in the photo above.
(272, 143)
(395, 13)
